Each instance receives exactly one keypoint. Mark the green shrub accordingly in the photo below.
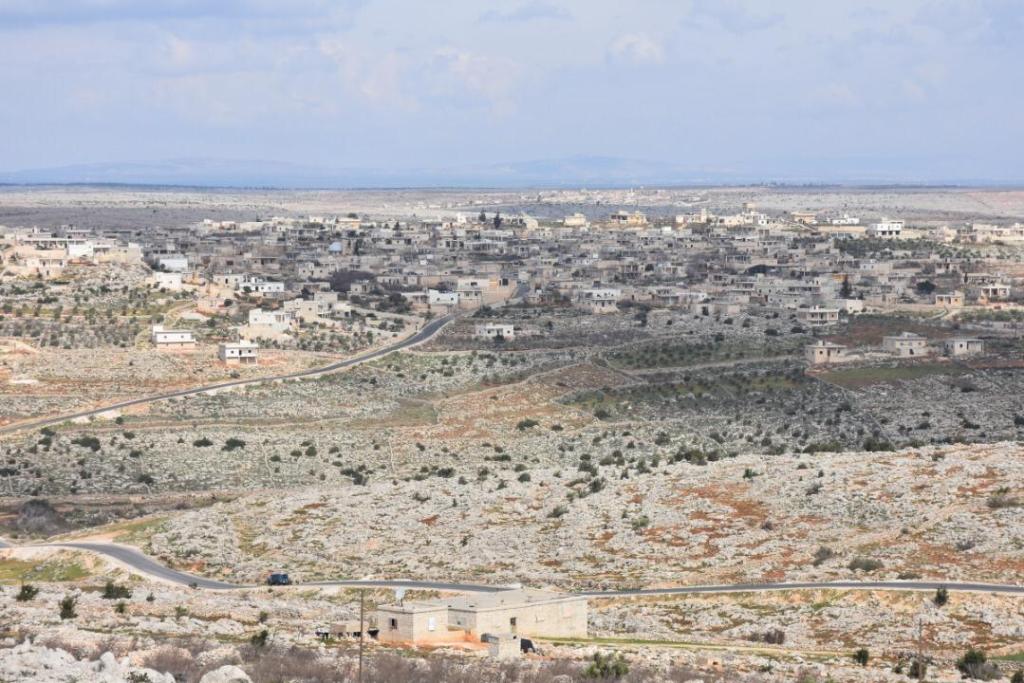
(866, 564)
(67, 607)
(26, 592)
(822, 555)
(606, 667)
(259, 639)
(975, 665)
(114, 591)
(90, 442)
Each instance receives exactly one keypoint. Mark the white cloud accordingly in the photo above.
(493, 78)
(378, 77)
(637, 48)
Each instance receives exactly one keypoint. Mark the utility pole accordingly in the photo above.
(362, 629)
(921, 648)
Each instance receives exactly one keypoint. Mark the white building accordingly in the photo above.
(845, 220)
(905, 344)
(172, 339)
(278, 321)
(439, 298)
(626, 218)
(576, 220)
(963, 346)
(995, 291)
(175, 263)
(259, 285)
(822, 352)
(954, 299)
(818, 316)
(600, 300)
(241, 352)
(886, 229)
(232, 280)
(170, 282)
(495, 331)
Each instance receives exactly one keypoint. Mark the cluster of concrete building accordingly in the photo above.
(501, 616)
(728, 262)
(906, 345)
(34, 253)
(283, 270)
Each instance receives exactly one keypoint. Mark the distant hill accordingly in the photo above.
(578, 171)
(203, 172)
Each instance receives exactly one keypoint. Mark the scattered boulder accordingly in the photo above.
(37, 516)
(226, 674)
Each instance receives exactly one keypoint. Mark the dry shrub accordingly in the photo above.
(176, 661)
(275, 664)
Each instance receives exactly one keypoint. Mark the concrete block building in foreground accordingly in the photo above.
(523, 612)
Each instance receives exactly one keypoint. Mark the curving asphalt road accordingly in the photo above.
(428, 331)
(147, 565)
(135, 559)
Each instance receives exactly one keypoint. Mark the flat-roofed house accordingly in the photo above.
(963, 346)
(822, 352)
(170, 282)
(495, 331)
(626, 218)
(443, 300)
(172, 339)
(818, 316)
(995, 291)
(805, 217)
(239, 353)
(886, 229)
(954, 299)
(278, 320)
(905, 344)
(523, 612)
(415, 622)
(176, 263)
(600, 300)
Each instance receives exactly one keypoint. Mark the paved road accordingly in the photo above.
(428, 330)
(147, 565)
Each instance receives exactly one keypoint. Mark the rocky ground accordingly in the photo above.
(44, 382)
(952, 513)
(179, 634)
(672, 461)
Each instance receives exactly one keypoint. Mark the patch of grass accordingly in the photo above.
(16, 571)
(139, 531)
(1015, 657)
(855, 378)
(407, 414)
(635, 642)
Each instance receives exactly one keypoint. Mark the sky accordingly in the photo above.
(909, 90)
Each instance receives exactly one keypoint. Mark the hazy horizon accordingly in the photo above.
(379, 92)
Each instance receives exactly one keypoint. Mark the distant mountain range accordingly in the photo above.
(581, 171)
(203, 172)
